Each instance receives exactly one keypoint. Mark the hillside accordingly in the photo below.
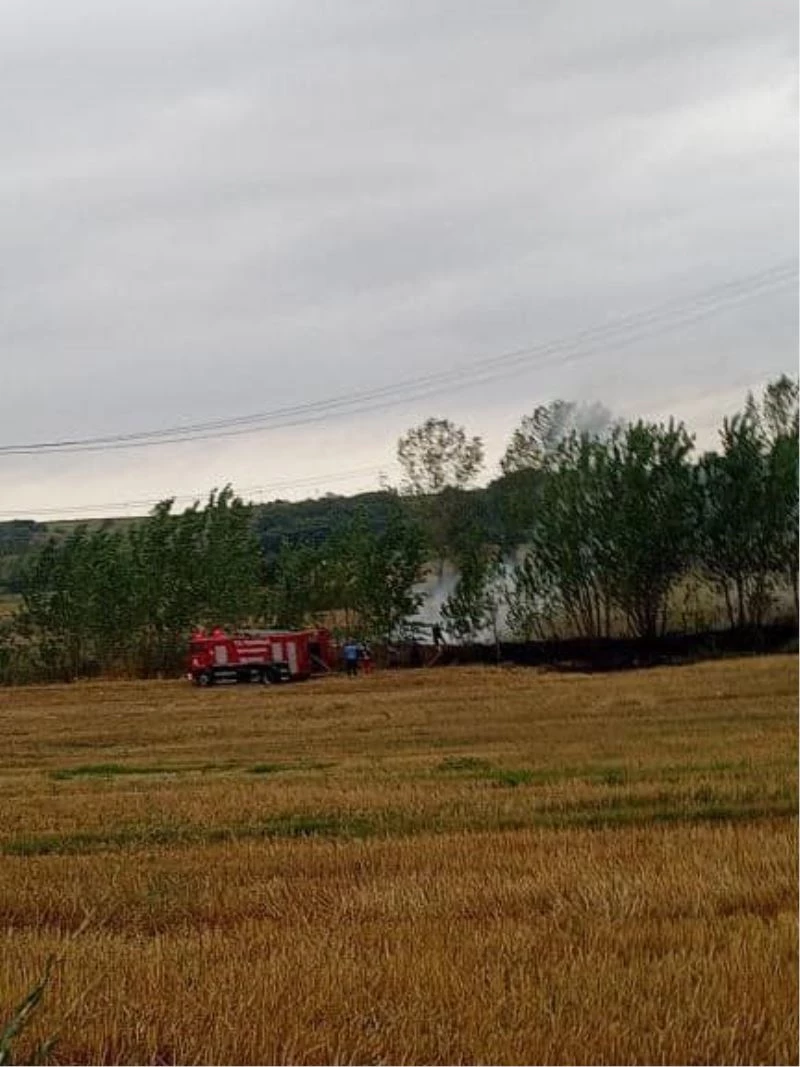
(498, 510)
(306, 521)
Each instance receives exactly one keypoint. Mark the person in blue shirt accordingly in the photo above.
(350, 652)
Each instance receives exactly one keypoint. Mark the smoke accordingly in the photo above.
(566, 417)
(439, 584)
(594, 419)
(540, 434)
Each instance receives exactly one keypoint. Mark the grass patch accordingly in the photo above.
(589, 818)
(176, 834)
(277, 768)
(612, 776)
(464, 765)
(107, 770)
(114, 770)
(513, 778)
(606, 813)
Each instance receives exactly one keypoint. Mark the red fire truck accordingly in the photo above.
(267, 656)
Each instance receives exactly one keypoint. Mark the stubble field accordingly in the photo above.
(444, 866)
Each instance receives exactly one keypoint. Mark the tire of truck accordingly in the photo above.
(204, 679)
(266, 677)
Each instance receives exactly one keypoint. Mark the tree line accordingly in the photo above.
(589, 530)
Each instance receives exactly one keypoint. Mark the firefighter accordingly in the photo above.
(350, 652)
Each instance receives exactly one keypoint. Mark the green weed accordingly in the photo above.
(464, 765)
(513, 778)
(19, 1019)
(114, 770)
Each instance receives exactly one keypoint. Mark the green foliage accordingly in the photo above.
(20, 1018)
(563, 575)
(376, 573)
(367, 575)
(648, 519)
(748, 541)
(473, 606)
(123, 602)
(506, 510)
(311, 523)
(391, 565)
(783, 510)
(614, 530)
(779, 409)
(296, 586)
(200, 567)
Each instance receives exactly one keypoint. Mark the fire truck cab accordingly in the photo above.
(266, 656)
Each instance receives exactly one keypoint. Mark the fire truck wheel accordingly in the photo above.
(205, 678)
(266, 678)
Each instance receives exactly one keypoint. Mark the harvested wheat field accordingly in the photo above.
(463, 865)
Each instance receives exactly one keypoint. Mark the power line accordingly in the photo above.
(670, 315)
(327, 479)
(739, 382)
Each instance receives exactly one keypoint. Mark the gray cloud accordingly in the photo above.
(210, 209)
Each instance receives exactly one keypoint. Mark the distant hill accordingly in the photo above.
(312, 522)
(501, 511)
(305, 521)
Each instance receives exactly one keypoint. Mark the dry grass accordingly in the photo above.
(431, 867)
(10, 603)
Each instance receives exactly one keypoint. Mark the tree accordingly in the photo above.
(166, 562)
(230, 571)
(474, 605)
(783, 510)
(733, 547)
(372, 576)
(614, 529)
(780, 408)
(533, 602)
(649, 501)
(562, 579)
(781, 416)
(437, 455)
(295, 586)
(539, 435)
(108, 601)
(749, 504)
(439, 461)
(51, 610)
(390, 569)
(341, 565)
(77, 602)
(511, 503)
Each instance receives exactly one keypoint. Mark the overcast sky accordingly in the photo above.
(215, 209)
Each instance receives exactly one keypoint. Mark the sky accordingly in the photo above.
(215, 210)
